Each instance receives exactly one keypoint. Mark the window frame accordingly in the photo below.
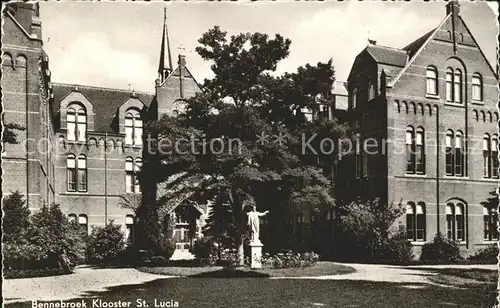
(134, 124)
(431, 89)
(416, 222)
(456, 222)
(79, 123)
(477, 87)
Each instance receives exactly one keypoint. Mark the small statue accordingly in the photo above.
(253, 222)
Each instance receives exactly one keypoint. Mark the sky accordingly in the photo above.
(117, 44)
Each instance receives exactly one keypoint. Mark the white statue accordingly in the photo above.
(253, 222)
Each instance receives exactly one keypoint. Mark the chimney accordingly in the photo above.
(182, 60)
(453, 7)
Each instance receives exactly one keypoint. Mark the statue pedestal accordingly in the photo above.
(256, 254)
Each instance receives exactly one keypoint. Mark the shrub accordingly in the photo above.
(289, 259)
(440, 250)
(205, 250)
(368, 232)
(166, 248)
(105, 244)
(30, 273)
(486, 255)
(158, 261)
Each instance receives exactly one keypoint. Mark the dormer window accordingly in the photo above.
(133, 128)
(76, 123)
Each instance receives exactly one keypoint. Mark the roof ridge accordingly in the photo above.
(101, 88)
(388, 47)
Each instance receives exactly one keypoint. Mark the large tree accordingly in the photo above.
(234, 128)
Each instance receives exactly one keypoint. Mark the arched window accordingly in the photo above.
(415, 221)
(83, 222)
(477, 87)
(449, 152)
(76, 123)
(410, 150)
(455, 222)
(457, 86)
(461, 37)
(432, 78)
(133, 127)
(449, 84)
(490, 218)
(129, 232)
(459, 154)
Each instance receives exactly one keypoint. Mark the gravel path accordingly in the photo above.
(66, 287)
(87, 279)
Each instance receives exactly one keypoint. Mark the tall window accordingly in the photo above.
(490, 156)
(129, 175)
(490, 217)
(71, 174)
(131, 179)
(477, 87)
(432, 87)
(371, 90)
(410, 150)
(420, 151)
(76, 173)
(457, 86)
(455, 153)
(133, 128)
(76, 123)
(129, 232)
(449, 85)
(494, 156)
(455, 222)
(137, 168)
(415, 221)
(353, 97)
(459, 154)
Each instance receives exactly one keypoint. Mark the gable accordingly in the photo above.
(436, 46)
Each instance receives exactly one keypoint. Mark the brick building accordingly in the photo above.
(94, 134)
(431, 109)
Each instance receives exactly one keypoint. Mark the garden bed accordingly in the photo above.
(318, 269)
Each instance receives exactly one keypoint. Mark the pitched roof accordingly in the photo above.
(414, 46)
(387, 55)
(106, 101)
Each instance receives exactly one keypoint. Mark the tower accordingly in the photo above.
(165, 65)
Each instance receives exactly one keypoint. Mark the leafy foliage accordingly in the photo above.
(440, 250)
(369, 232)
(242, 103)
(46, 239)
(289, 259)
(105, 244)
(486, 255)
(9, 135)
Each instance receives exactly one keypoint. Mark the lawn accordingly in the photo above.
(260, 293)
(318, 269)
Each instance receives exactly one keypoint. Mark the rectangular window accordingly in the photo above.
(82, 127)
(410, 153)
(420, 153)
(129, 182)
(460, 227)
(449, 86)
(477, 94)
(71, 179)
(410, 225)
(449, 156)
(129, 129)
(431, 81)
(354, 97)
(458, 87)
(459, 162)
(138, 135)
(486, 158)
(371, 91)
(82, 180)
(71, 128)
(420, 224)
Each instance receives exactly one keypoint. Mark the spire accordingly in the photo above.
(165, 67)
